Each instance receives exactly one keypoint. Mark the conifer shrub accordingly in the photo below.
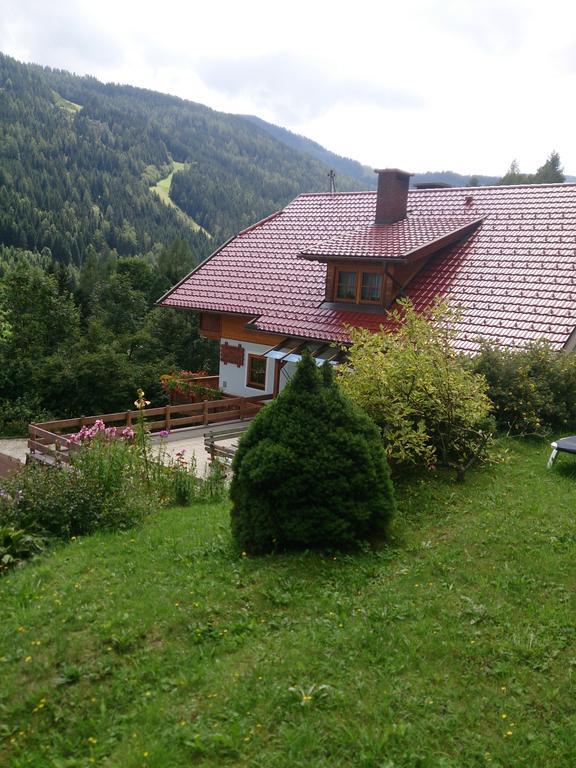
(310, 471)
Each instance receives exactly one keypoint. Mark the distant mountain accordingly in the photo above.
(87, 165)
(343, 166)
(454, 179)
(363, 174)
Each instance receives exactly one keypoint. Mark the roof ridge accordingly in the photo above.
(260, 223)
(335, 194)
(443, 190)
(497, 186)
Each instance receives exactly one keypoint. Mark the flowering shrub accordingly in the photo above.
(100, 431)
(113, 481)
(431, 408)
(102, 490)
(182, 386)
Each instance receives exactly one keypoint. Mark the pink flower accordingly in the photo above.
(164, 433)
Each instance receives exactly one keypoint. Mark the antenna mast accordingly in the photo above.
(332, 177)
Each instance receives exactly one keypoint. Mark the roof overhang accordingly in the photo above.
(291, 349)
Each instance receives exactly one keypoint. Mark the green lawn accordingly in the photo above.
(454, 647)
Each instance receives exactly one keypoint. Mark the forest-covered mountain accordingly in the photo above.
(108, 196)
(343, 166)
(78, 159)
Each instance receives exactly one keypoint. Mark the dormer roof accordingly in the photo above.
(404, 241)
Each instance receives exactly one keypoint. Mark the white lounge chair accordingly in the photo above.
(565, 444)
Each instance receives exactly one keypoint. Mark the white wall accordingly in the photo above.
(286, 374)
(233, 378)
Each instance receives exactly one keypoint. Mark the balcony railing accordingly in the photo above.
(48, 440)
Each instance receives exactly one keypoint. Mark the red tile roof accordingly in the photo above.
(391, 242)
(514, 277)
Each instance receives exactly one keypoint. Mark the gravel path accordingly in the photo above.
(17, 447)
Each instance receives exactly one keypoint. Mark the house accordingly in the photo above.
(505, 255)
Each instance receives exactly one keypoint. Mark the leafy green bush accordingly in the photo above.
(15, 415)
(310, 471)
(17, 545)
(533, 389)
(102, 490)
(432, 409)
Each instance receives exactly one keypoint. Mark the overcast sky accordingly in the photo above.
(463, 85)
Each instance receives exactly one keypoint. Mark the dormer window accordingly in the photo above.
(359, 286)
(371, 287)
(346, 286)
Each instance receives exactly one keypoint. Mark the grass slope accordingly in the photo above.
(162, 189)
(67, 106)
(453, 647)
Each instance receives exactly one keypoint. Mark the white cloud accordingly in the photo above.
(430, 84)
(297, 89)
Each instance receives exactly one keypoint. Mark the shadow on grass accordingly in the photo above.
(566, 467)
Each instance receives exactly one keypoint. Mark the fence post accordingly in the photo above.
(128, 418)
(167, 421)
(241, 409)
(205, 412)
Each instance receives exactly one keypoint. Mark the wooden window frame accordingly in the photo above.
(252, 384)
(359, 290)
(337, 282)
(359, 274)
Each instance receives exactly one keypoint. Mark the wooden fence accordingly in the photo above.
(48, 439)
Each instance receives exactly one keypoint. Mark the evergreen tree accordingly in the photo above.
(310, 471)
(551, 172)
(513, 175)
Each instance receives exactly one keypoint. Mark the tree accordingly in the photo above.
(175, 261)
(513, 175)
(310, 471)
(40, 320)
(551, 172)
(118, 305)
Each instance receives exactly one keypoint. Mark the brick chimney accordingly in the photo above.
(392, 195)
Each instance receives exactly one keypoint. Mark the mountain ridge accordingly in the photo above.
(79, 160)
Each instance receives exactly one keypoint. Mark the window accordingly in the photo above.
(346, 288)
(359, 287)
(371, 287)
(256, 372)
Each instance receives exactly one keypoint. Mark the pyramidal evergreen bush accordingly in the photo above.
(310, 471)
